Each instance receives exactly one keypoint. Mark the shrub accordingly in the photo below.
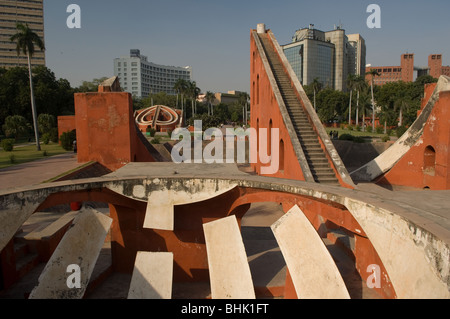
(379, 130)
(46, 138)
(8, 144)
(358, 139)
(386, 138)
(67, 139)
(346, 137)
(54, 135)
(12, 158)
(151, 131)
(369, 129)
(156, 140)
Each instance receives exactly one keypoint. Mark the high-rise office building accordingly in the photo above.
(328, 56)
(29, 12)
(142, 78)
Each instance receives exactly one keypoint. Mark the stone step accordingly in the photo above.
(306, 134)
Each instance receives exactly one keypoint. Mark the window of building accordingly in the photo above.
(429, 161)
(281, 151)
(269, 148)
(257, 89)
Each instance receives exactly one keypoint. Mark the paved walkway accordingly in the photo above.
(36, 172)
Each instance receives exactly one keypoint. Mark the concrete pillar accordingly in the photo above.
(160, 206)
(261, 28)
(229, 270)
(67, 274)
(313, 271)
(152, 276)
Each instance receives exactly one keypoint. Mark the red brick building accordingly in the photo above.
(405, 72)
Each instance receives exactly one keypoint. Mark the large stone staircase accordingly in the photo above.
(308, 138)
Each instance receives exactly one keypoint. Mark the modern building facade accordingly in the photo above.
(328, 56)
(141, 78)
(29, 12)
(405, 71)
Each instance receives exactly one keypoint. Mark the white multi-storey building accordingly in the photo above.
(142, 78)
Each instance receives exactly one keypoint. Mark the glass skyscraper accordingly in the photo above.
(327, 56)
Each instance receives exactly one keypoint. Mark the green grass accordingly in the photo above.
(24, 154)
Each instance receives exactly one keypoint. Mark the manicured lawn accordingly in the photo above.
(23, 154)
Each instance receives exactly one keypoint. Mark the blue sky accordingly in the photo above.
(213, 36)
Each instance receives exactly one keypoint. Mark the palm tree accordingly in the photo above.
(364, 104)
(193, 92)
(317, 86)
(373, 73)
(210, 98)
(351, 82)
(360, 85)
(25, 40)
(243, 98)
(181, 88)
(402, 103)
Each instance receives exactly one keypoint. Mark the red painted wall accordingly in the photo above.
(426, 163)
(264, 108)
(106, 131)
(66, 124)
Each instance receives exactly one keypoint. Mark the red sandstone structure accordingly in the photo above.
(159, 117)
(106, 129)
(167, 225)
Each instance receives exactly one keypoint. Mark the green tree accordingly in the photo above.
(365, 105)
(243, 98)
(14, 93)
(181, 87)
(46, 122)
(402, 104)
(15, 126)
(90, 86)
(360, 84)
(210, 97)
(160, 98)
(193, 92)
(373, 73)
(25, 40)
(351, 84)
(316, 87)
(332, 105)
